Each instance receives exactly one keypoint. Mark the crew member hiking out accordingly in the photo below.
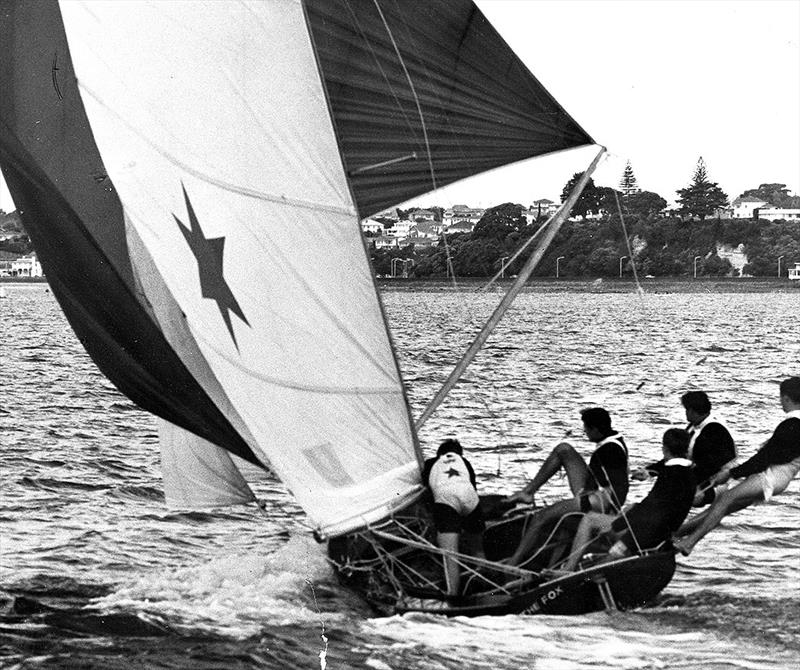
(600, 486)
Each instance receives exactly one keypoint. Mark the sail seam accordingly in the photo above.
(358, 390)
(227, 186)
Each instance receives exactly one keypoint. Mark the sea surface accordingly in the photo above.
(95, 571)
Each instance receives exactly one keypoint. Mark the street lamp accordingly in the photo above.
(503, 266)
(558, 260)
(779, 265)
(695, 265)
(621, 258)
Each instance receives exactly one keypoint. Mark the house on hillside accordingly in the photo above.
(776, 214)
(6, 259)
(385, 242)
(390, 214)
(372, 227)
(743, 207)
(422, 215)
(402, 228)
(428, 230)
(26, 266)
(461, 227)
(794, 273)
(461, 213)
(542, 207)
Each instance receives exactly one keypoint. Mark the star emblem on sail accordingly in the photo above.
(209, 256)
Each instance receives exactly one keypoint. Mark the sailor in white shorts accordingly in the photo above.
(456, 507)
(766, 474)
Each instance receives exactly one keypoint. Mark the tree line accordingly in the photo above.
(661, 246)
(680, 243)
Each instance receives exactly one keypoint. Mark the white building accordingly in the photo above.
(385, 242)
(794, 273)
(390, 214)
(422, 215)
(541, 207)
(777, 214)
(26, 266)
(372, 226)
(428, 229)
(743, 208)
(402, 229)
(460, 214)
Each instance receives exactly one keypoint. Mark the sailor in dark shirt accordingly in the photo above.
(766, 474)
(653, 520)
(600, 486)
(711, 447)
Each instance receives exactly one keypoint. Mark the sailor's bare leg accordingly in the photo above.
(452, 571)
(591, 525)
(540, 519)
(563, 456)
(737, 498)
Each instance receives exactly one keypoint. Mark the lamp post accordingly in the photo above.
(621, 258)
(394, 265)
(779, 265)
(695, 265)
(558, 260)
(503, 266)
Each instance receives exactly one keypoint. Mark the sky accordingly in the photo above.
(658, 83)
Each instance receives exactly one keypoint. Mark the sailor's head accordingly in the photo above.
(450, 445)
(596, 423)
(697, 406)
(675, 443)
(790, 393)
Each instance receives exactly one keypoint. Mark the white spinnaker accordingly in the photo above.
(197, 473)
(224, 101)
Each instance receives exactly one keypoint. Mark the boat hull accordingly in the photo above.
(599, 584)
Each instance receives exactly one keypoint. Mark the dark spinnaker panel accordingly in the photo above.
(482, 107)
(75, 220)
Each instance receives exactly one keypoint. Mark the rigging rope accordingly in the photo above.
(639, 288)
(551, 231)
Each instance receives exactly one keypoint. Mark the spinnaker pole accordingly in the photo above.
(509, 297)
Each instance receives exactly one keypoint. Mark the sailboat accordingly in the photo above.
(192, 177)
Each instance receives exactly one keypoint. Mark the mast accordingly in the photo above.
(513, 291)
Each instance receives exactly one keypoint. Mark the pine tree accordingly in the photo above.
(628, 184)
(702, 197)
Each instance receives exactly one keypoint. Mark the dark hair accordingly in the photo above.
(597, 417)
(676, 441)
(450, 445)
(791, 388)
(696, 400)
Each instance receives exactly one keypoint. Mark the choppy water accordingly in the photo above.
(96, 573)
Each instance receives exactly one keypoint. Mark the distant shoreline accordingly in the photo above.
(576, 285)
(625, 285)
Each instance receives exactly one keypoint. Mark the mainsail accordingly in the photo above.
(192, 176)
